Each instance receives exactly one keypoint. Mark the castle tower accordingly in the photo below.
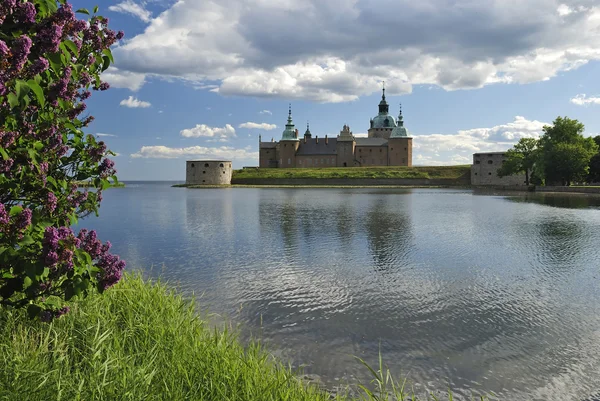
(345, 148)
(289, 144)
(381, 126)
(307, 134)
(400, 144)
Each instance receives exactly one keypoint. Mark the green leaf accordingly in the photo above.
(52, 6)
(108, 54)
(71, 45)
(22, 89)
(32, 155)
(4, 154)
(37, 90)
(55, 61)
(95, 9)
(106, 63)
(27, 240)
(51, 180)
(83, 11)
(15, 210)
(27, 282)
(13, 101)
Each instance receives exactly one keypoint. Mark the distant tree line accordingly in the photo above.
(562, 156)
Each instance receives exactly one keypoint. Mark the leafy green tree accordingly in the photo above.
(49, 63)
(520, 159)
(565, 152)
(594, 173)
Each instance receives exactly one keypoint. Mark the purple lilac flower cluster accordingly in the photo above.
(47, 315)
(15, 225)
(57, 251)
(106, 168)
(111, 265)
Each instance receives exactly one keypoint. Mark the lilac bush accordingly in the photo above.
(50, 62)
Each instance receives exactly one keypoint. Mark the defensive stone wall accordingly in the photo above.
(208, 172)
(366, 182)
(485, 171)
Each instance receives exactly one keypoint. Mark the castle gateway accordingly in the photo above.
(388, 144)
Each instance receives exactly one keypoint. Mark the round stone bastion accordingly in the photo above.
(208, 172)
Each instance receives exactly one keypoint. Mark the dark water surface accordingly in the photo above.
(458, 289)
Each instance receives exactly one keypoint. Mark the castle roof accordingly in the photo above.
(311, 147)
(371, 142)
(400, 131)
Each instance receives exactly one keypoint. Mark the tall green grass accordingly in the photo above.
(145, 341)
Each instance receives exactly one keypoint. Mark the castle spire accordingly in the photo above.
(290, 132)
(400, 118)
(383, 105)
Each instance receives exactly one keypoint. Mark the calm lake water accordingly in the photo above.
(472, 291)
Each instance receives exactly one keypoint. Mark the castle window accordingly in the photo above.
(289, 161)
(477, 162)
(192, 165)
(391, 148)
(203, 180)
(380, 150)
(284, 145)
(360, 150)
(475, 173)
(489, 173)
(221, 165)
(405, 149)
(223, 172)
(490, 162)
(204, 172)
(205, 164)
(370, 150)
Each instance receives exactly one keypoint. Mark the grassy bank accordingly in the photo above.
(142, 341)
(87, 184)
(424, 172)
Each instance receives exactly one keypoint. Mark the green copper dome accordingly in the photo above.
(289, 133)
(383, 119)
(400, 131)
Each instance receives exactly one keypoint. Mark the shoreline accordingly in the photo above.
(592, 190)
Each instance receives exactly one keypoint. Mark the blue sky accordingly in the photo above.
(204, 78)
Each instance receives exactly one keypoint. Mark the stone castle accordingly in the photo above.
(388, 144)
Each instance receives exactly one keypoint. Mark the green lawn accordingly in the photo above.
(145, 341)
(437, 172)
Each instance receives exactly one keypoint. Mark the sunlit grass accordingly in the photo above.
(145, 341)
(424, 172)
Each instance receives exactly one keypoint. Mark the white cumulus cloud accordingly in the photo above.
(263, 126)
(133, 8)
(221, 134)
(458, 148)
(133, 102)
(584, 100)
(123, 79)
(103, 135)
(222, 152)
(265, 112)
(335, 51)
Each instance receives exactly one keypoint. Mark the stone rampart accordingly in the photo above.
(208, 172)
